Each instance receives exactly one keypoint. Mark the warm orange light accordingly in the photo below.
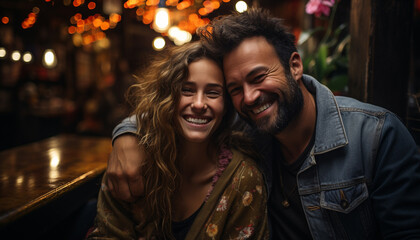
(92, 5)
(152, 2)
(148, 16)
(215, 4)
(71, 30)
(97, 22)
(24, 25)
(139, 11)
(105, 25)
(31, 20)
(87, 39)
(131, 3)
(77, 3)
(80, 29)
(81, 23)
(5, 20)
(193, 17)
(226, 1)
(47, 0)
(202, 11)
(183, 5)
(171, 2)
(115, 17)
(100, 35)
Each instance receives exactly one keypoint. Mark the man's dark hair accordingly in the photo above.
(225, 33)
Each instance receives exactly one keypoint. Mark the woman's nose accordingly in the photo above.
(198, 105)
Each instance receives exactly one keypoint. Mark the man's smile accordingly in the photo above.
(262, 108)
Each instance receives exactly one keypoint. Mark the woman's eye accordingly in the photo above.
(187, 91)
(213, 94)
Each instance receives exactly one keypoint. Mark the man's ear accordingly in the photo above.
(296, 66)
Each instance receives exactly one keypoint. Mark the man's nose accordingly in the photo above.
(251, 94)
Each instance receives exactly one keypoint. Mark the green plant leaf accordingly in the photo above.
(321, 61)
(338, 83)
(306, 35)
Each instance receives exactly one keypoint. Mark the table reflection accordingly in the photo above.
(36, 174)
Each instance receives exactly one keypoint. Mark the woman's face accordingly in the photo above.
(201, 105)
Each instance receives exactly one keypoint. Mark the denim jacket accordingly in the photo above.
(362, 177)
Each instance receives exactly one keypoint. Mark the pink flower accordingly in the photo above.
(222, 206)
(246, 232)
(319, 7)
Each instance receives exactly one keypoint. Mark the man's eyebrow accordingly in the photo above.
(255, 70)
(252, 72)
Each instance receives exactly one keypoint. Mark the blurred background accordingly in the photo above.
(66, 64)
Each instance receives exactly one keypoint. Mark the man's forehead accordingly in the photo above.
(250, 56)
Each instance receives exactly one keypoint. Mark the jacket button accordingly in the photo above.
(344, 204)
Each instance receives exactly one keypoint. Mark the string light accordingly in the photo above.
(159, 43)
(15, 55)
(161, 21)
(188, 15)
(27, 57)
(3, 52)
(49, 60)
(241, 6)
(5, 20)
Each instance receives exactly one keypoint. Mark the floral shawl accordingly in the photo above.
(235, 209)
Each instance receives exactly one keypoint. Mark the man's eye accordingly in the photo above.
(234, 91)
(259, 78)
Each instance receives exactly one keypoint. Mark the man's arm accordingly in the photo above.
(125, 181)
(396, 183)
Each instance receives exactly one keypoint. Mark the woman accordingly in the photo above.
(198, 183)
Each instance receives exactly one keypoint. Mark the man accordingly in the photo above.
(335, 168)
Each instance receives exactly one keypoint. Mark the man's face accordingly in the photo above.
(262, 91)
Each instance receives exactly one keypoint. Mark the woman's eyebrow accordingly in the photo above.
(214, 85)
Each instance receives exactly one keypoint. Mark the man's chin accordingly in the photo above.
(264, 125)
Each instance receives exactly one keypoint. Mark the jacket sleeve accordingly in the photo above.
(396, 182)
(114, 219)
(241, 212)
(128, 125)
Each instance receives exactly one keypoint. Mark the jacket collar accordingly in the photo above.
(329, 131)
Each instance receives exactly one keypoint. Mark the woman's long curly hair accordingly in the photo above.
(155, 98)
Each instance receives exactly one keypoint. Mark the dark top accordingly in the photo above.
(180, 229)
(287, 222)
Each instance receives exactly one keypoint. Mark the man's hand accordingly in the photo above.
(125, 181)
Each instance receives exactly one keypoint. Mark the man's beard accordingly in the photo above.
(287, 110)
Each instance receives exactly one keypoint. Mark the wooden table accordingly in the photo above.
(44, 182)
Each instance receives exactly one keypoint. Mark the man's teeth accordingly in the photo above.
(197, 120)
(262, 108)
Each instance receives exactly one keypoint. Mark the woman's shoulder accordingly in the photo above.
(247, 171)
(245, 160)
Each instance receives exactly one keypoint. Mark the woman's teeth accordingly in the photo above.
(197, 120)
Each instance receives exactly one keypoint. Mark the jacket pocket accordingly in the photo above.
(345, 199)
